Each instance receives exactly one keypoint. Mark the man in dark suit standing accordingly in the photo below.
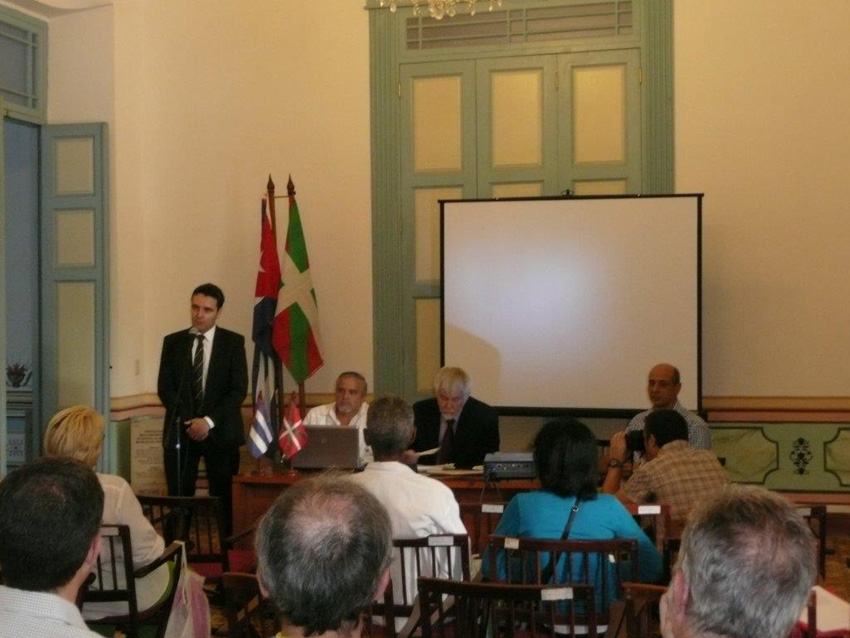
(203, 380)
(463, 428)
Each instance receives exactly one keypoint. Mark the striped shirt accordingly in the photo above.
(699, 434)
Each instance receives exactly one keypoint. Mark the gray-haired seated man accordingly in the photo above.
(324, 551)
(50, 511)
(745, 568)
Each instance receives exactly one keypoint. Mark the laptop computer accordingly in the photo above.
(329, 446)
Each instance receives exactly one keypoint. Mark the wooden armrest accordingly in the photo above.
(172, 552)
(643, 590)
(234, 538)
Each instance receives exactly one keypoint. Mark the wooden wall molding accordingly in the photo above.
(148, 404)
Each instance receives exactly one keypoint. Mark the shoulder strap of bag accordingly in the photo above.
(547, 573)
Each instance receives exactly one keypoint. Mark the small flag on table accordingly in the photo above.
(293, 435)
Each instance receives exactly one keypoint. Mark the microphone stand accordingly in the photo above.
(177, 425)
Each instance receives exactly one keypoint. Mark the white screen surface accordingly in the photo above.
(568, 303)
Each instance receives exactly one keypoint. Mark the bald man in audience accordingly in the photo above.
(674, 472)
(662, 387)
(745, 568)
(323, 551)
(50, 511)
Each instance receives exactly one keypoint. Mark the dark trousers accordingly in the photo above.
(221, 464)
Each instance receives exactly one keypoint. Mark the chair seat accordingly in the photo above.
(240, 560)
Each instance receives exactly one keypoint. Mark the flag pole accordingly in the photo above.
(290, 193)
(276, 362)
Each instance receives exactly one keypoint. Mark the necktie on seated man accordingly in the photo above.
(447, 445)
(198, 375)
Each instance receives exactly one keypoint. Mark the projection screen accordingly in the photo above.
(567, 303)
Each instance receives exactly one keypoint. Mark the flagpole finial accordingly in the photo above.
(290, 187)
(270, 185)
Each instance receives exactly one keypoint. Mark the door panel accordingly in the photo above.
(438, 162)
(517, 127)
(74, 277)
(599, 122)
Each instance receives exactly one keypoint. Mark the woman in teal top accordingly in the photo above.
(565, 453)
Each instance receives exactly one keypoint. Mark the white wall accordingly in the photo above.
(762, 96)
(207, 103)
(203, 104)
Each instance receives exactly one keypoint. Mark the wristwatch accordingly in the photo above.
(614, 463)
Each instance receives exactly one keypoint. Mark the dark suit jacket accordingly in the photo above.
(476, 432)
(225, 390)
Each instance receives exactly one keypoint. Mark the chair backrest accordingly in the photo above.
(248, 613)
(604, 564)
(480, 520)
(497, 610)
(815, 516)
(641, 604)
(115, 581)
(670, 553)
(198, 521)
(435, 556)
(654, 519)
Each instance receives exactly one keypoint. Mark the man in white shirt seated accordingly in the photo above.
(418, 505)
(662, 387)
(348, 409)
(50, 511)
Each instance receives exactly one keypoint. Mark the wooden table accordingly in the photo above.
(253, 494)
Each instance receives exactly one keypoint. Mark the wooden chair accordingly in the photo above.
(815, 516)
(248, 614)
(198, 521)
(641, 609)
(497, 610)
(654, 519)
(435, 556)
(115, 581)
(604, 564)
(480, 520)
(669, 554)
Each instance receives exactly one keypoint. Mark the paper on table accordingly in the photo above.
(449, 470)
(433, 450)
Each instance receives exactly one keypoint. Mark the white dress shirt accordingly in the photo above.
(418, 506)
(29, 614)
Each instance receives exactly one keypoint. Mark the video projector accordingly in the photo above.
(509, 465)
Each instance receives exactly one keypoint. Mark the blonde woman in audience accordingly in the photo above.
(77, 432)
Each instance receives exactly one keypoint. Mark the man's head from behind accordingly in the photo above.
(390, 429)
(50, 513)
(745, 568)
(324, 549)
(350, 392)
(663, 385)
(663, 427)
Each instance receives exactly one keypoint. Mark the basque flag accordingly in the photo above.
(293, 435)
(296, 328)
